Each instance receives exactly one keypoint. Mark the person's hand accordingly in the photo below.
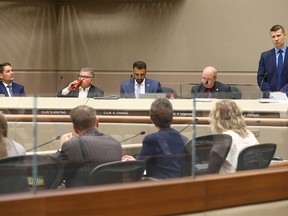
(128, 158)
(66, 137)
(71, 85)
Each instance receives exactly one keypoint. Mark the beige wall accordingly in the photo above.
(47, 40)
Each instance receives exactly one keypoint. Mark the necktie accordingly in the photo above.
(10, 90)
(138, 91)
(279, 69)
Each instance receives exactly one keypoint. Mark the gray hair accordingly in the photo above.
(92, 73)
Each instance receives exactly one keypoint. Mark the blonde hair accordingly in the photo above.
(3, 133)
(226, 115)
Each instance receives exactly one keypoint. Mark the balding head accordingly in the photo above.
(209, 76)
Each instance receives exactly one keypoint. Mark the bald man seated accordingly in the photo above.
(210, 87)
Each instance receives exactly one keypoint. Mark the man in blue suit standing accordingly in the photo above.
(273, 65)
(139, 84)
(7, 86)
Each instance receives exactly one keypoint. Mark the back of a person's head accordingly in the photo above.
(83, 117)
(3, 133)
(226, 115)
(161, 113)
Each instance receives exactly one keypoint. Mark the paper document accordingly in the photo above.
(278, 95)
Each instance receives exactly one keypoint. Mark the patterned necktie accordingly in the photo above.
(279, 69)
(10, 90)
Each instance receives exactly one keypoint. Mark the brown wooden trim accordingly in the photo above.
(179, 196)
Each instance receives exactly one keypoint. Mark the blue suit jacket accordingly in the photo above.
(17, 90)
(162, 152)
(127, 87)
(267, 72)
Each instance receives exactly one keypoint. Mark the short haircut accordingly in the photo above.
(4, 65)
(161, 113)
(276, 28)
(83, 117)
(226, 115)
(92, 74)
(139, 65)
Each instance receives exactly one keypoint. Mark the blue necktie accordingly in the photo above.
(10, 90)
(138, 90)
(279, 69)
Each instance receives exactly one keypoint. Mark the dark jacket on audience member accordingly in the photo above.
(162, 152)
(81, 154)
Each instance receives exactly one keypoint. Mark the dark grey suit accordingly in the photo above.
(219, 90)
(93, 92)
(81, 154)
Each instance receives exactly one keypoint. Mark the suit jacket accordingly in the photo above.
(267, 72)
(17, 90)
(127, 87)
(162, 152)
(93, 92)
(81, 154)
(220, 91)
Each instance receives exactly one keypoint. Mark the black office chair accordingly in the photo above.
(211, 152)
(236, 92)
(168, 91)
(15, 171)
(256, 156)
(117, 172)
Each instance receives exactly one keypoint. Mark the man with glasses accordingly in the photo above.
(85, 89)
(209, 87)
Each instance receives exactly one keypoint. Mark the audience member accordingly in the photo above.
(226, 117)
(162, 150)
(88, 149)
(139, 84)
(86, 89)
(273, 71)
(8, 147)
(210, 87)
(7, 86)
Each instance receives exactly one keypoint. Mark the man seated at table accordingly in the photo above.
(210, 87)
(89, 148)
(139, 84)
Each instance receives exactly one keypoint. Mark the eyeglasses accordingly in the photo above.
(84, 77)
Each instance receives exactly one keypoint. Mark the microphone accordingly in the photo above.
(262, 81)
(141, 133)
(202, 90)
(190, 123)
(46, 143)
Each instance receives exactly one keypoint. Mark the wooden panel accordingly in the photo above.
(179, 196)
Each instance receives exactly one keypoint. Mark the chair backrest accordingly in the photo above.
(256, 156)
(16, 171)
(210, 151)
(236, 92)
(117, 172)
(168, 91)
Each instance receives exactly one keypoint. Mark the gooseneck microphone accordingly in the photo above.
(202, 90)
(141, 133)
(262, 81)
(190, 123)
(46, 143)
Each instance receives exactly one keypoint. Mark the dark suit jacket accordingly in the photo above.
(81, 154)
(220, 91)
(93, 92)
(127, 87)
(267, 72)
(17, 90)
(162, 152)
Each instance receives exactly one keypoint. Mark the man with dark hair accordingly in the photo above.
(89, 148)
(7, 86)
(162, 150)
(139, 84)
(273, 65)
(82, 88)
(210, 87)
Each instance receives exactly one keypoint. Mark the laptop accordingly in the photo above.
(152, 95)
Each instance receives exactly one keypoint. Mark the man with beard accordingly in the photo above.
(139, 84)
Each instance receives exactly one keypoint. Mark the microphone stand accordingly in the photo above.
(46, 143)
(141, 133)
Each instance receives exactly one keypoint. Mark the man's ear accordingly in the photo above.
(97, 123)
(75, 129)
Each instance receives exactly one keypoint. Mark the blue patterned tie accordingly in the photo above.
(10, 90)
(138, 90)
(279, 69)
